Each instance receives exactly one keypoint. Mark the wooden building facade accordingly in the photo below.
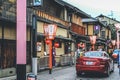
(70, 30)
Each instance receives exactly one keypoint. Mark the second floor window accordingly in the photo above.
(103, 34)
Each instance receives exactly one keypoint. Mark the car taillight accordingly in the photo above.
(97, 63)
(79, 61)
(102, 62)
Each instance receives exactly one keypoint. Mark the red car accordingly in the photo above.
(94, 61)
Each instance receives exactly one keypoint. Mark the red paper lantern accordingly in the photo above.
(50, 31)
(83, 45)
(78, 44)
(47, 41)
(93, 39)
(56, 45)
(114, 55)
(113, 42)
(110, 46)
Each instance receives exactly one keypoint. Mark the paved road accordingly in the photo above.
(66, 73)
(114, 76)
(69, 73)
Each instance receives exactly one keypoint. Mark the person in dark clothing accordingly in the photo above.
(53, 56)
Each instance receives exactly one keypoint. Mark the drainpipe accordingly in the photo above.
(2, 46)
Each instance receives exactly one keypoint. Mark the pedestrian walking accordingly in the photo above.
(78, 52)
(53, 56)
(91, 49)
(116, 55)
(100, 48)
(73, 57)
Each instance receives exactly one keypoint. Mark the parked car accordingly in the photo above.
(94, 61)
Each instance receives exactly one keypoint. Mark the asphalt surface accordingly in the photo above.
(69, 73)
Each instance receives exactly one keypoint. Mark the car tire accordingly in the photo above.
(78, 73)
(108, 72)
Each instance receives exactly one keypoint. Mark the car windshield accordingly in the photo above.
(93, 54)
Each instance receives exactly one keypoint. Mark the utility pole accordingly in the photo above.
(111, 14)
(36, 3)
(34, 46)
(21, 40)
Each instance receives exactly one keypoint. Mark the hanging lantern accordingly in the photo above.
(113, 42)
(83, 45)
(47, 41)
(50, 31)
(110, 46)
(78, 44)
(93, 39)
(56, 45)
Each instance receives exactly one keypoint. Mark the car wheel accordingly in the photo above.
(108, 72)
(78, 73)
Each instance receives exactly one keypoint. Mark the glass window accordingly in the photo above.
(93, 54)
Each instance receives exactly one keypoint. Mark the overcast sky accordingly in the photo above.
(97, 7)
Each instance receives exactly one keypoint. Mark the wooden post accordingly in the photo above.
(50, 57)
(21, 40)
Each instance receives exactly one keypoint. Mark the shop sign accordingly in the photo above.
(37, 2)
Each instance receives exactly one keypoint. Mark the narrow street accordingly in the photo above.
(37, 35)
(69, 73)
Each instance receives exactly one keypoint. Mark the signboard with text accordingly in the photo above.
(37, 2)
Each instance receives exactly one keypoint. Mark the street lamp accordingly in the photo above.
(50, 33)
(93, 41)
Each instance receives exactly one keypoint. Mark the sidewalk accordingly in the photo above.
(42, 72)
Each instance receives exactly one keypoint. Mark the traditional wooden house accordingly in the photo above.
(70, 30)
(76, 28)
(96, 28)
(52, 13)
(49, 12)
(8, 38)
(110, 22)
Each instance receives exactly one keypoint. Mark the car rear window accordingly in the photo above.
(93, 54)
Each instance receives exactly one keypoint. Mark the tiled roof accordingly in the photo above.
(101, 15)
(63, 3)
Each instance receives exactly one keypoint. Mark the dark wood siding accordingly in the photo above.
(8, 56)
(78, 29)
